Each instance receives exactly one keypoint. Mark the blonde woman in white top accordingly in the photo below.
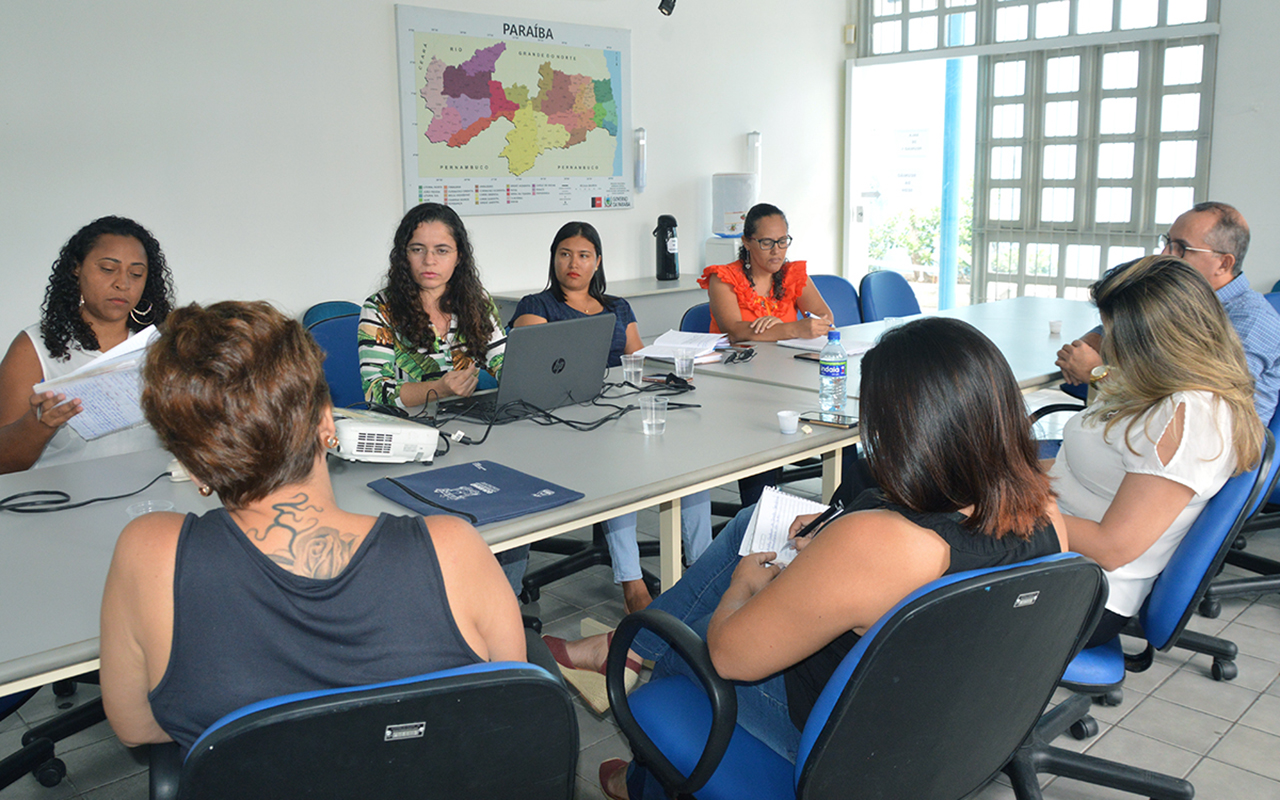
(1174, 418)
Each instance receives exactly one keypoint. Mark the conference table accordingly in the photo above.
(54, 565)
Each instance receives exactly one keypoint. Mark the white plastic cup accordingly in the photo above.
(1055, 327)
(653, 414)
(684, 364)
(788, 421)
(633, 369)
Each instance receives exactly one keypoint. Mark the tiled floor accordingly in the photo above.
(1224, 737)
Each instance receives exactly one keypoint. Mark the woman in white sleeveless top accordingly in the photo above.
(109, 282)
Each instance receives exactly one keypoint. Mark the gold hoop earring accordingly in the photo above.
(204, 491)
(331, 441)
(140, 318)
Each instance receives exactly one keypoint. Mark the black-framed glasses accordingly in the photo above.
(740, 356)
(769, 244)
(1179, 248)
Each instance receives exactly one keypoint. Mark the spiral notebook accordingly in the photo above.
(480, 492)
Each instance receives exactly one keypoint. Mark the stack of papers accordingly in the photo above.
(665, 347)
(110, 387)
(852, 347)
(769, 530)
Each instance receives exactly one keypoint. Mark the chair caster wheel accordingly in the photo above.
(1112, 698)
(530, 595)
(1083, 728)
(50, 773)
(1224, 670)
(1210, 608)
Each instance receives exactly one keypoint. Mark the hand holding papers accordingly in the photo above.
(110, 387)
(665, 347)
(770, 525)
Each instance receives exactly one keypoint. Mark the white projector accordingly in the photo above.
(370, 436)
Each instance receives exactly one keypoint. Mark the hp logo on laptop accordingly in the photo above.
(557, 366)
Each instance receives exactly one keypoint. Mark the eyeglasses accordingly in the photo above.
(769, 244)
(1179, 248)
(420, 251)
(740, 356)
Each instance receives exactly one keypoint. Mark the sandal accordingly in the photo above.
(607, 770)
(590, 683)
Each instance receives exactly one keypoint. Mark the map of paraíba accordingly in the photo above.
(542, 99)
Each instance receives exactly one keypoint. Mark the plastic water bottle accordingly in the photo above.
(833, 366)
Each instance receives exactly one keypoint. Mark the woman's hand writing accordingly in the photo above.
(813, 327)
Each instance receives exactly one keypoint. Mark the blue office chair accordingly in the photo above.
(503, 729)
(909, 712)
(841, 298)
(697, 319)
(886, 294)
(336, 335)
(327, 310)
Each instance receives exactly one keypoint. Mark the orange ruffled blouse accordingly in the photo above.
(752, 305)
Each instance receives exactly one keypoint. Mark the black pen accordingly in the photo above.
(820, 520)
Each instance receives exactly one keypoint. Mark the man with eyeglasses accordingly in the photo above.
(1212, 237)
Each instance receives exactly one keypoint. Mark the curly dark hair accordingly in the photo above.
(596, 288)
(464, 296)
(758, 212)
(60, 320)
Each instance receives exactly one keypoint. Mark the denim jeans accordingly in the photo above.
(695, 530)
(762, 705)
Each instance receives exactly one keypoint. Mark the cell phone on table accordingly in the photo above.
(807, 356)
(828, 418)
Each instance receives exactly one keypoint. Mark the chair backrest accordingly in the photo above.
(697, 319)
(841, 298)
(337, 337)
(487, 730)
(327, 309)
(940, 692)
(1196, 561)
(886, 294)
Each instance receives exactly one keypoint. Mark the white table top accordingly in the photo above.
(1019, 327)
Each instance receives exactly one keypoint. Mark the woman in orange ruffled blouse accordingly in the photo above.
(759, 297)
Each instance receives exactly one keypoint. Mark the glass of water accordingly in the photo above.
(684, 364)
(653, 413)
(633, 369)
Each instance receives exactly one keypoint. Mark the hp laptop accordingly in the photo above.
(546, 367)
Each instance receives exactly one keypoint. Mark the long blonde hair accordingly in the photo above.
(1168, 332)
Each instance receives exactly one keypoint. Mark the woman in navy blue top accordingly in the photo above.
(575, 289)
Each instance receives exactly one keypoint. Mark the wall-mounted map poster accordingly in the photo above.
(503, 115)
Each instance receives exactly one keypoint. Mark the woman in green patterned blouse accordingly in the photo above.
(432, 327)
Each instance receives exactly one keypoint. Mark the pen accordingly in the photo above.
(813, 527)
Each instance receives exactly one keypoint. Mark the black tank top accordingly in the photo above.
(969, 550)
(245, 630)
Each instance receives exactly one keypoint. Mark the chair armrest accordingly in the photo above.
(166, 766)
(720, 692)
(1054, 408)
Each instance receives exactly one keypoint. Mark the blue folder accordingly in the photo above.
(481, 492)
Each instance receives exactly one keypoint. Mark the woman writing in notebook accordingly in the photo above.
(432, 328)
(576, 289)
(759, 297)
(949, 503)
(280, 590)
(109, 282)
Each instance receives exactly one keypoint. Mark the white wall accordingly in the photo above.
(260, 141)
(1244, 162)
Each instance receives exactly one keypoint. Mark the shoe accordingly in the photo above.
(590, 683)
(607, 770)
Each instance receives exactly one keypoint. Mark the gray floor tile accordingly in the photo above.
(586, 592)
(592, 728)
(1264, 715)
(1250, 749)
(1256, 642)
(1177, 725)
(27, 788)
(134, 787)
(588, 790)
(1135, 749)
(995, 791)
(1255, 673)
(1220, 698)
(1147, 681)
(1215, 780)
(1260, 615)
(103, 762)
(590, 759)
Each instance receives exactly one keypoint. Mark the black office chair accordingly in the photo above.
(487, 730)
(37, 754)
(579, 556)
(938, 697)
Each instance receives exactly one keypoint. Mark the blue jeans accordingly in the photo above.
(762, 706)
(695, 530)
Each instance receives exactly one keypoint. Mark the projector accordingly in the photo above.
(370, 436)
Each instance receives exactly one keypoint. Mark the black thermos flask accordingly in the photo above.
(667, 252)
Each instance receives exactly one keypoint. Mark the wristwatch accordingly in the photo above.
(1098, 373)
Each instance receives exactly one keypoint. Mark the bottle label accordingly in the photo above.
(672, 246)
(832, 369)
